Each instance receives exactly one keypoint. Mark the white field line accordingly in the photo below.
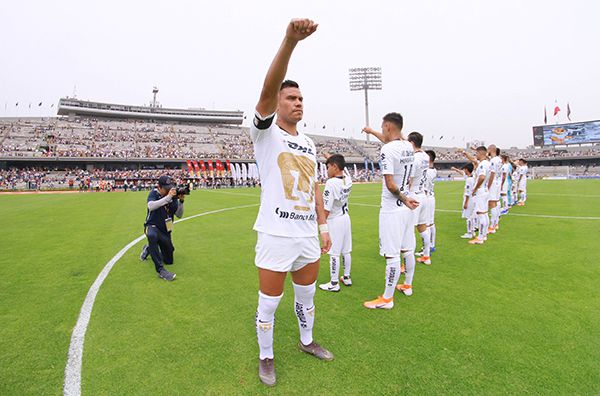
(544, 216)
(72, 384)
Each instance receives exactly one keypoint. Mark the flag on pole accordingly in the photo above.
(556, 108)
(545, 116)
(568, 111)
(39, 104)
(17, 104)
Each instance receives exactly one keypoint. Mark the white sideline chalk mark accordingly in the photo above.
(72, 384)
(544, 216)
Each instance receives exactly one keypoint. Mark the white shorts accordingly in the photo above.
(340, 230)
(430, 209)
(285, 254)
(396, 232)
(420, 213)
(494, 192)
(467, 213)
(523, 185)
(481, 201)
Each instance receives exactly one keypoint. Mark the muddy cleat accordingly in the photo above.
(424, 260)
(406, 289)
(346, 280)
(266, 371)
(467, 235)
(316, 350)
(330, 287)
(476, 241)
(380, 303)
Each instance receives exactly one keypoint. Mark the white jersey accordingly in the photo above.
(505, 171)
(483, 169)
(469, 184)
(397, 159)
(522, 175)
(419, 172)
(288, 171)
(430, 182)
(496, 168)
(336, 194)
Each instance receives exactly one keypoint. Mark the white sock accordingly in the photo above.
(469, 225)
(265, 321)
(496, 215)
(347, 264)
(426, 239)
(409, 263)
(505, 201)
(524, 197)
(392, 274)
(432, 234)
(473, 223)
(305, 310)
(483, 225)
(334, 268)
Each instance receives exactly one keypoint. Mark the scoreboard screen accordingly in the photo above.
(572, 133)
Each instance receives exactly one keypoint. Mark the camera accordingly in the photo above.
(183, 190)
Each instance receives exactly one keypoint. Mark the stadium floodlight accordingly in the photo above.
(364, 79)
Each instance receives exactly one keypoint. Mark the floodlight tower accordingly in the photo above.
(364, 79)
(154, 92)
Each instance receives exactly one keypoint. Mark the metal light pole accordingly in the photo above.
(365, 78)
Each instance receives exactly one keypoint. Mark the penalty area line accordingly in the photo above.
(72, 383)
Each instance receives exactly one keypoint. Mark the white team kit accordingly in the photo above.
(430, 193)
(481, 195)
(469, 184)
(504, 174)
(417, 186)
(335, 199)
(396, 220)
(496, 169)
(522, 178)
(287, 220)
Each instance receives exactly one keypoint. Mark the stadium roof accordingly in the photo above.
(76, 107)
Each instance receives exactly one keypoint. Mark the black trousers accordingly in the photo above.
(160, 246)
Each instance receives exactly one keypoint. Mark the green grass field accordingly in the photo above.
(518, 315)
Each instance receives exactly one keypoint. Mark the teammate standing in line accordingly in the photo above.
(396, 216)
(480, 193)
(417, 191)
(505, 186)
(494, 184)
(429, 192)
(468, 204)
(522, 185)
(291, 205)
(335, 199)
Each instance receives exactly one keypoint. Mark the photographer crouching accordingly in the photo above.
(164, 202)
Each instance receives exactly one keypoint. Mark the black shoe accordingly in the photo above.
(166, 275)
(145, 253)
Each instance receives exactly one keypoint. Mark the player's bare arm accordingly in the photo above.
(491, 179)
(370, 131)
(480, 181)
(297, 30)
(393, 188)
(322, 220)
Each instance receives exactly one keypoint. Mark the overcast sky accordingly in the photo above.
(461, 69)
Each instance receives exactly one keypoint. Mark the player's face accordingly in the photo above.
(331, 170)
(290, 107)
(481, 155)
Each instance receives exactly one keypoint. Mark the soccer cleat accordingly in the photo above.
(346, 280)
(432, 250)
(330, 287)
(491, 230)
(467, 235)
(316, 350)
(406, 289)
(380, 303)
(166, 275)
(266, 371)
(521, 204)
(145, 253)
(424, 260)
(402, 269)
(504, 211)
(419, 253)
(476, 241)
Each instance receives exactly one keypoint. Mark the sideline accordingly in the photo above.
(544, 216)
(72, 384)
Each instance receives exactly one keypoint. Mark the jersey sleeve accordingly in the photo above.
(387, 165)
(328, 196)
(260, 124)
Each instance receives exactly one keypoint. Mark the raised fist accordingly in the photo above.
(299, 29)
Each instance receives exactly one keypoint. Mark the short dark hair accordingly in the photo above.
(524, 160)
(468, 166)
(337, 160)
(481, 148)
(289, 84)
(497, 151)
(431, 155)
(394, 118)
(504, 157)
(416, 138)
